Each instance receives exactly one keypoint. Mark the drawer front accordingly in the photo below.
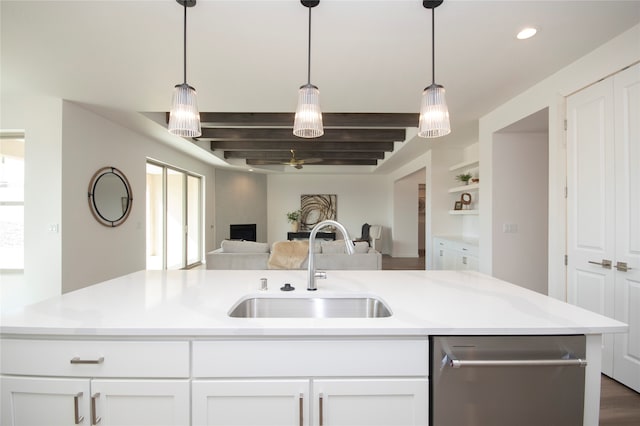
(294, 358)
(95, 358)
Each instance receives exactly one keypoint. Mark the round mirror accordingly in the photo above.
(110, 196)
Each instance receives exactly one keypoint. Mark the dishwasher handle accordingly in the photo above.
(453, 362)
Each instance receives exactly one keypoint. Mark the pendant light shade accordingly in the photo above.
(434, 114)
(184, 118)
(308, 119)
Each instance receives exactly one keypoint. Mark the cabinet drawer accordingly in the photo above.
(95, 358)
(310, 357)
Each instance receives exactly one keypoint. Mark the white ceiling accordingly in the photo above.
(120, 57)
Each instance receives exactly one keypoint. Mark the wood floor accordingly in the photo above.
(619, 405)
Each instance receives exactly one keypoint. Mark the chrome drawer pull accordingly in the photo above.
(77, 360)
(321, 409)
(77, 418)
(458, 363)
(94, 415)
(301, 403)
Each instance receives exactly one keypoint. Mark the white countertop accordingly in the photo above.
(196, 303)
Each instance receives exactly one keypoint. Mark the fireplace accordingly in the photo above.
(245, 232)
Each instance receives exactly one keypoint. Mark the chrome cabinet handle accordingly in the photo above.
(77, 418)
(301, 404)
(606, 264)
(78, 360)
(94, 415)
(321, 410)
(622, 266)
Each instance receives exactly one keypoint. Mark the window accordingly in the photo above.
(174, 218)
(11, 201)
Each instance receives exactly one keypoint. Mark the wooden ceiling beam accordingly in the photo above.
(302, 146)
(285, 119)
(302, 155)
(322, 163)
(334, 135)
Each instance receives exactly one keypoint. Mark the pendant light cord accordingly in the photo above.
(184, 47)
(309, 51)
(433, 46)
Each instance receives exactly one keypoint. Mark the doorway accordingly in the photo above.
(520, 202)
(174, 217)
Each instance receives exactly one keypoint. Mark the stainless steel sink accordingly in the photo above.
(311, 307)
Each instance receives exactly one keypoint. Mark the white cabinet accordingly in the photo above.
(603, 213)
(310, 382)
(338, 401)
(55, 401)
(44, 401)
(455, 254)
(388, 402)
(262, 381)
(250, 402)
(78, 384)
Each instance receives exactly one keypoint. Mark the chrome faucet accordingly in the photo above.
(311, 271)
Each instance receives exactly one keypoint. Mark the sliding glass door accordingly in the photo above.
(174, 218)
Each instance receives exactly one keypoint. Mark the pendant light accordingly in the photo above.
(308, 119)
(434, 115)
(184, 118)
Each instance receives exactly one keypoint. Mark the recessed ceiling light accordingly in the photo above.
(526, 33)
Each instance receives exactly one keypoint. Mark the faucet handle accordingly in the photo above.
(321, 275)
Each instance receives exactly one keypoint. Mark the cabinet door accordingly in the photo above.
(370, 402)
(40, 401)
(140, 402)
(250, 402)
(466, 262)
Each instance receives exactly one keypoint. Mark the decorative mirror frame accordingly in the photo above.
(92, 202)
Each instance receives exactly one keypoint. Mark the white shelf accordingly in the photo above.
(463, 212)
(468, 163)
(465, 188)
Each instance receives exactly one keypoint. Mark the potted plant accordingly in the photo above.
(293, 218)
(464, 178)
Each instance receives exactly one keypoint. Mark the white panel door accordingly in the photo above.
(39, 401)
(370, 402)
(140, 402)
(591, 204)
(626, 365)
(250, 402)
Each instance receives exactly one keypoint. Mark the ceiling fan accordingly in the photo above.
(298, 162)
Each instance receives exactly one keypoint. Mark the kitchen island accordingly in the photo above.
(163, 342)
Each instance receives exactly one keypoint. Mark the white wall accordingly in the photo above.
(361, 199)
(241, 198)
(520, 201)
(91, 252)
(41, 119)
(65, 145)
(613, 56)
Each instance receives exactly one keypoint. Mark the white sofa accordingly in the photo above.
(330, 255)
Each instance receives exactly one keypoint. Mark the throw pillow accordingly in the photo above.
(333, 247)
(361, 247)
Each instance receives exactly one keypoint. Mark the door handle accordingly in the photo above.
(606, 264)
(622, 266)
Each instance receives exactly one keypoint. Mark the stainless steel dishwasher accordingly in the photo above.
(507, 380)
